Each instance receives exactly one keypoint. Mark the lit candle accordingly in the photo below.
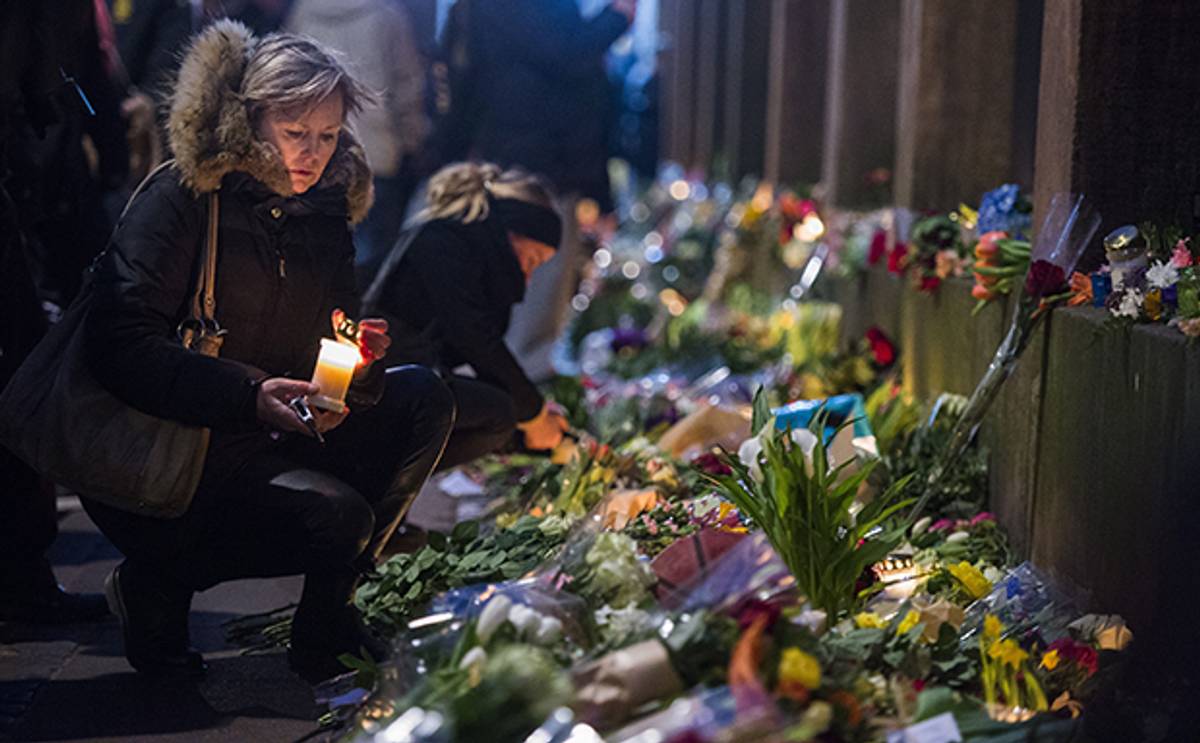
(335, 367)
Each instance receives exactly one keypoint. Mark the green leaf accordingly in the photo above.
(465, 531)
(761, 415)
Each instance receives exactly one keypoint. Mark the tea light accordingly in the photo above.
(335, 367)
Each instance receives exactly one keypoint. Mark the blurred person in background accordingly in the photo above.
(376, 38)
(42, 120)
(448, 291)
(532, 92)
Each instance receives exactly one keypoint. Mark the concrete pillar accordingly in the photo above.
(707, 63)
(957, 90)
(748, 29)
(796, 89)
(1118, 106)
(860, 115)
(677, 19)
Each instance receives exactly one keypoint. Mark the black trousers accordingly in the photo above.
(301, 508)
(486, 421)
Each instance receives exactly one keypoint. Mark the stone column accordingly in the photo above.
(1118, 110)
(860, 116)
(796, 89)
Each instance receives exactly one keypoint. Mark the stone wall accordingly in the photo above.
(1095, 440)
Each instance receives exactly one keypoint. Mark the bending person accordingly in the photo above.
(449, 289)
(262, 121)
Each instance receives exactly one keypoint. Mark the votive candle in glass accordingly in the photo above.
(335, 368)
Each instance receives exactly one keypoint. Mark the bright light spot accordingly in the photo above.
(682, 221)
(680, 190)
(580, 302)
(673, 301)
(700, 192)
(654, 254)
(652, 240)
(670, 274)
(631, 270)
(796, 291)
(734, 217)
(603, 258)
(639, 291)
(789, 304)
(810, 229)
(639, 212)
(587, 211)
(763, 197)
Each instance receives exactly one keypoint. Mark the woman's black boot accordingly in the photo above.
(327, 625)
(154, 621)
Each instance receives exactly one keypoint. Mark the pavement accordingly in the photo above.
(72, 683)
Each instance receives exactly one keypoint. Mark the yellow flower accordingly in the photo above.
(910, 620)
(797, 666)
(972, 581)
(1050, 660)
(869, 620)
(992, 627)
(1008, 652)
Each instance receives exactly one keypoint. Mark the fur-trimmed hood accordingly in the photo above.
(211, 135)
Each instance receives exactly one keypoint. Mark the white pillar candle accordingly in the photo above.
(335, 367)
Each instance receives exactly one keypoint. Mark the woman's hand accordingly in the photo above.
(546, 429)
(275, 393)
(373, 339)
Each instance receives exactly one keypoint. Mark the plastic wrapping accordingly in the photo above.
(750, 570)
(1025, 600)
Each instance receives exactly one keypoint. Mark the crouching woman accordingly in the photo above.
(262, 121)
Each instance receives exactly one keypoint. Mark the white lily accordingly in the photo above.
(921, 525)
(548, 631)
(492, 616)
(958, 536)
(526, 620)
(748, 453)
(474, 656)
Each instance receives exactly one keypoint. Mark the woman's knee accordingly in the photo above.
(339, 522)
(424, 390)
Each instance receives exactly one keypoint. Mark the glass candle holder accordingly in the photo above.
(335, 368)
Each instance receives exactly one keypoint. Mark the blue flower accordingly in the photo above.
(1000, 210)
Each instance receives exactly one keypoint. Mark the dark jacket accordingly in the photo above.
(449, 301)
(284, 263)
(540, 90)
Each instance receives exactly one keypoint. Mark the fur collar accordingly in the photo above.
(210, 132)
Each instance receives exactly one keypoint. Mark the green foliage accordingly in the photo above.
(804, 508)
(962, 490)
(406, 582)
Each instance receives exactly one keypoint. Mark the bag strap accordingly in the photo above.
(204, 302)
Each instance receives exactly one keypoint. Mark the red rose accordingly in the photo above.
(896, 258)
(1045, 278)
(878, 247)
(882, 349)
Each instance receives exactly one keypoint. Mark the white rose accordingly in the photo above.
(958, 536)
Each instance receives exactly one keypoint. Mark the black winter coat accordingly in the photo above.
(283, 265)
(450, 299)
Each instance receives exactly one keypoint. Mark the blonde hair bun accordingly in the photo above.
(461, 190)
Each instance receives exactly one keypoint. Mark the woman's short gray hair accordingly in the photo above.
(293, 72)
